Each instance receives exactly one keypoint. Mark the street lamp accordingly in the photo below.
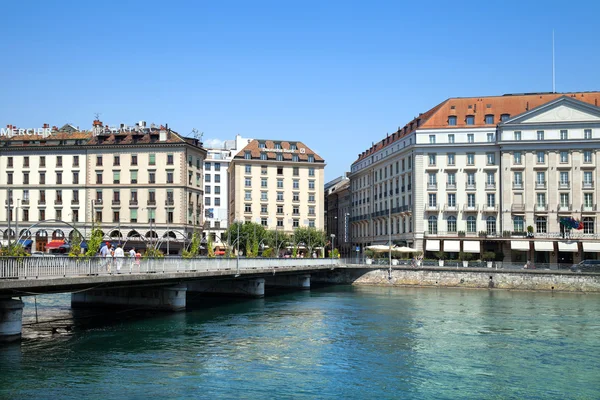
(332, 245)
(238, 250)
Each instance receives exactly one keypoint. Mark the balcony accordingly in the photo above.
(432, 186)
(151, 203)
(58, 202)
(518, 208)
(541, 208)
(98, 202)
(588, 184)
(564, 185)
(540, 185)
(585, 208)
(470, 208)
(75, 202)
(451, 186)
(432, 207)
(471, 186)
(170, 203)
(11, 202)
(490, 186)
(564, 208)
(450, 208)
(42, 202)
(489, 208)
(133, 203)
(517, 185)
(25, 202)
(116, 202)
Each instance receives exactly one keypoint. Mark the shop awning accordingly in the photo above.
(543, 246)
(432, 245)
(55, 244)
(519, 245)
(571, 247)
(471, 246)
(452, 246)
(25, 242)
(591, 247)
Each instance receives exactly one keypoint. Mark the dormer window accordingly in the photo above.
(470, 120)
(311, 158)
(248, 155)
(293, 146)
(278, 146)
(504, 117)
(261, 145)
(489, 119)
(263, 156)
(452, 120)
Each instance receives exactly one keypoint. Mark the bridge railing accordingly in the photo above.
(56, 267)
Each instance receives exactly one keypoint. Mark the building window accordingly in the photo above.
(59, 162)
(470, 138)
(452, 120)
(279, 157)
(207, 201)
(432, 139)
(587, 156)
(98, 161)
(587, 179)
(588, 225)
(451, 200)
(248, 182)
(170, 159)
(541, 225)
(432, 200)
(116, 160)
(491, 159)
(564, 157)
(98, 177)
(518, 224)
(311, 158)
(295, 222)
(248, 169)
(541, 157)
(247, 195)
(489, 119)
(9, 178)
(518, 179)
(431, 159)
(261, 145)
(134, 159)
(170, 176)
(490, 225)
(217, 201)
(490, 137)
(247, 155)
(151, 176)
(207, 178)
(540, 135)
(279, 209)
(564, 134)
(504, 117)
(470, 120)
(279, 196)
(470, 158)
(295, 196)
(296, 210)
(432, 224)
(471, 224)
(471, 200)
(588, 200)
(587, 133)
(450, 158)
(26, 161)
(311, 171)
(451, 138)
(311, 197)
(491, 200)
(311, 184)
(207, 166)
(541, 200)
(517, 158)
(26, 178)
(263, 196)
(152, 159)
(517, 135)
(452, 224)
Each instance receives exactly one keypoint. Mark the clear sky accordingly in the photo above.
(336, 75)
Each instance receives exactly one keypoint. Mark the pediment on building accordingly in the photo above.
(561, 110)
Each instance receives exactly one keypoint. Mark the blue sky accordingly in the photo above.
(336, 75)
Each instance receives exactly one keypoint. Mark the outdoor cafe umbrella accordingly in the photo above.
(404, 249)
(378, 248)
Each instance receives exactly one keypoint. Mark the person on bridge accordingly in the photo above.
(107, 254)
(132, 257)
(119, 256)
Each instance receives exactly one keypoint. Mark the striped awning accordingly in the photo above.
(543, 246)
(471, 246)
(591, 247)
(432, 245)
(570, 247)
(452, 246)
(519, 245)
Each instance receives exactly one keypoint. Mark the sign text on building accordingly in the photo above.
(25, 132)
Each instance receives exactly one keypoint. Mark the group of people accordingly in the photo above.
(117, 256)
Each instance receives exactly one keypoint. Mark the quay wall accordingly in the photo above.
(457, 278)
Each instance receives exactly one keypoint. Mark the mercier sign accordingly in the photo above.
(10, 132)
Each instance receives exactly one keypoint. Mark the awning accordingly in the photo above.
(25, 242)
(432, 245)
(571, 247)
(591, 247)
(519, 245)
(55, 244)
(452, 246)
(544, 246)
(471, 246)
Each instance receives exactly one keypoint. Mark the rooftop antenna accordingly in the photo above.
(197, 135)
(553, 68)
(97, 116)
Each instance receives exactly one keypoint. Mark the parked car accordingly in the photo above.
(586, 266)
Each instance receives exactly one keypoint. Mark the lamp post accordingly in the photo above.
(332, 245)
(8, 212)
(390, 234)
(238, 250)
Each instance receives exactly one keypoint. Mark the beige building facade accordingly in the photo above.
(278, 184)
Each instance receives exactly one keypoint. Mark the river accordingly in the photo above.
(342, 342)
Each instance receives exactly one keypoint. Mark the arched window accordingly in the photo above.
(588, 225)
(452, 223)
(471, 224)
(58, 234)
(432, 224)
(541, 225)
(490, 225)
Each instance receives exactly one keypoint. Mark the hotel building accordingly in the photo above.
(472, 174)
(278, 184)
(137, 183)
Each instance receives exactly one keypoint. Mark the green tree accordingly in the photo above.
(210, 247)
(194, 246)
(152, 252)
(94, 243)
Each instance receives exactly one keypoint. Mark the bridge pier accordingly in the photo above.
(169, 298)
(289, 281)
(11, 319)
(239, 287)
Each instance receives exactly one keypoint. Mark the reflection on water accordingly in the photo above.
(340, 342)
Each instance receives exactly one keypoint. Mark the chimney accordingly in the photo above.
(97, 122)
(162, 134)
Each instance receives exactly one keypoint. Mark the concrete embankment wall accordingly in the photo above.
(447, 277)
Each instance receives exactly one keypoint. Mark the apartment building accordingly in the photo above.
(216, 180)
(137, 183)
(337, 216)
(440, 182)
(278, 184)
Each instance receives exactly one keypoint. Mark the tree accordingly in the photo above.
(94, 243)
(250, 235)
(210, 247)
(309, 237)
(152, 252)
(194, 247)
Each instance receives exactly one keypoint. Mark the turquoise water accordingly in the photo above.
(339, 342)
